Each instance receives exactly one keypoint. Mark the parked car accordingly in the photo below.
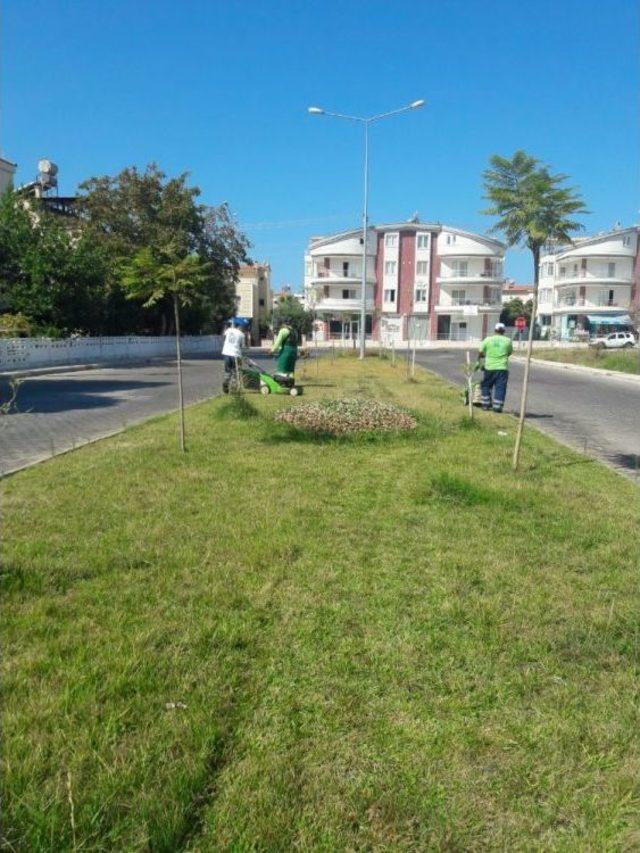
(614, 340)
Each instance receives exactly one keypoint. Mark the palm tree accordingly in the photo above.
(533, 209)
(154, 277)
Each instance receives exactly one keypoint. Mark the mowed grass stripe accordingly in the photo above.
(386, 644)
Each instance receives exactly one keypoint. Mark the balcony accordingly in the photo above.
(469, 308)
(494, 276)
(587, 278)
(570, 305)
(332, 305)
(352, 276)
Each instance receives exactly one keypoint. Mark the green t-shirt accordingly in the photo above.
(496, 349)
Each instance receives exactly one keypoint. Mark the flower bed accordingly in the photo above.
(346, 416)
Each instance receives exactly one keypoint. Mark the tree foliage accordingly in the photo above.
(50, 277)
(289, 310)
(516, 308)
(532, 206)
(70, 279)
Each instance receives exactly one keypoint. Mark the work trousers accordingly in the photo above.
(494, 384)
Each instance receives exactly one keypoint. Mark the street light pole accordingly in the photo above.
(366, 121)
(365, 223)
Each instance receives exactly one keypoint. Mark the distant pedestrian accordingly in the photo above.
(234, 343)
(493, 356)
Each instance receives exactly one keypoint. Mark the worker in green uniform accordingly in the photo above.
(493, 356)
(285, 347)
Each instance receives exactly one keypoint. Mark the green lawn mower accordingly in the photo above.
(256, 378)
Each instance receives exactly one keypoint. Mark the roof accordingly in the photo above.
(588, 240)
(512, 287)
(436, 227)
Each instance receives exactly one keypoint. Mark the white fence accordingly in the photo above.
(24, 353)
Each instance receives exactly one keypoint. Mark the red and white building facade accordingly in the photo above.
(425, 282)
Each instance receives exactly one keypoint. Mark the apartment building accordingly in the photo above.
(254, 297)
(591, 286)
(424, 281)
(7, 171)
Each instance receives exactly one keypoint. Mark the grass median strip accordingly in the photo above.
(351, 643)
(623, 361)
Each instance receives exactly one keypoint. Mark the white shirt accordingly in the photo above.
(233, 343)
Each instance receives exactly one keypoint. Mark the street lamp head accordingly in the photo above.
(315, 111)
(415, 105)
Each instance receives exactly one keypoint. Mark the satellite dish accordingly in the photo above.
(47, 167)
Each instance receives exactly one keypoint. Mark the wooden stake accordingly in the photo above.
(470, 384)
(179, 366)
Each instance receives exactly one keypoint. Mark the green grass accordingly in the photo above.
(625, 361)
(390, 644)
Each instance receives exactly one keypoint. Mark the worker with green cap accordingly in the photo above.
(285, 347)
(493, 356)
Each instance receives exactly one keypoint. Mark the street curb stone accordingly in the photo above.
(581, 368)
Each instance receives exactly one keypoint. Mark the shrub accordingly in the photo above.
(346, 416)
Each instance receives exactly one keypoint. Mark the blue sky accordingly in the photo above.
(221, 88)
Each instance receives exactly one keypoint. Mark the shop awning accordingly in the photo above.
(619, 320)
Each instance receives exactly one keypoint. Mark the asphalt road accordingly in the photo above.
(59, 412)
(596, 414)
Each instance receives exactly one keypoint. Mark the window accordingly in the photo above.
(550, 268)
(451, 239)
(575, 270)
(325, 291)
(307, 268)
(459, 269)
(421, 294)
(563, 272)
(611, 270)
(345, 269)
(422, 268)
(261, 303)
(458, 297)
(390, 295)
(389, 267)
(423, 241)
(349, 294)
(390, 241)
(626, 240)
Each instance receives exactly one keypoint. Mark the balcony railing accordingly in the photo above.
(459, 302)
(582, 302)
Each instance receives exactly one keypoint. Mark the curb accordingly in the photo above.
(581, 368)
(63, 368)
(99, 365)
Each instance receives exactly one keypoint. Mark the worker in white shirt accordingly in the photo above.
(234, 343)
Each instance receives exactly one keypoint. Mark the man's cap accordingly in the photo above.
(500, 327)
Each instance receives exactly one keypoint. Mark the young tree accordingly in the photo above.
(533, 208)
(167, 275)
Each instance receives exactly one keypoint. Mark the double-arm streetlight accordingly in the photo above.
(318, 111)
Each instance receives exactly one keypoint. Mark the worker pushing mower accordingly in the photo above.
(251, 375)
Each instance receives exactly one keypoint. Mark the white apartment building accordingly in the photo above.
(590, 286)
(254, 297)
(425, 281)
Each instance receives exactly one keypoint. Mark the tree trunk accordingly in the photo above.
(176, 313)
(527, 365)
